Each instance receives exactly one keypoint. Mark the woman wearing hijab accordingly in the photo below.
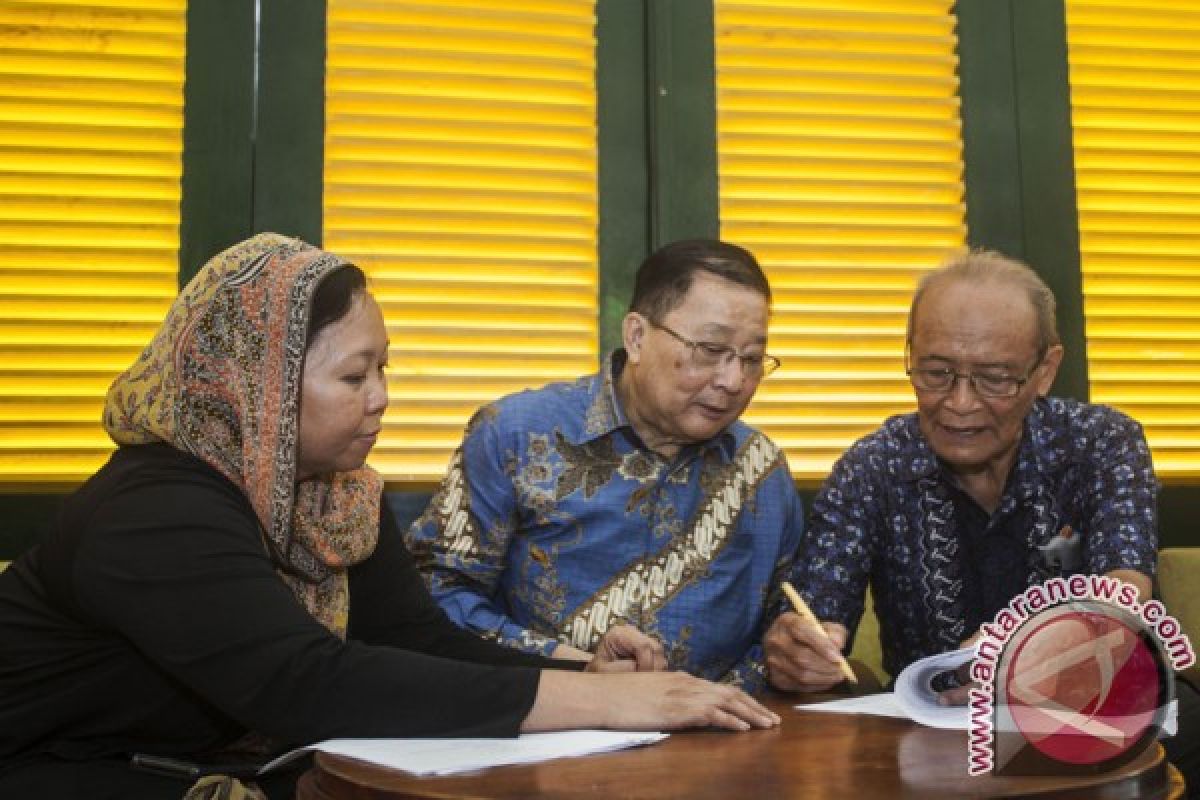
(232, 582)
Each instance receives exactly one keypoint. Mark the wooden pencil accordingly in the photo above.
(803, 610)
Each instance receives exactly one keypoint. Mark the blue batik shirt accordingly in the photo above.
(554, 522)
(887, 516)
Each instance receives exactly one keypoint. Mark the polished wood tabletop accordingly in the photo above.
(810, 755)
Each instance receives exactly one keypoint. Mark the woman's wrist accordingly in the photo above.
(566, 700)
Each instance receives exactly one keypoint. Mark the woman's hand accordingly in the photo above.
(641, 701)
(626, 649)
(671, 700)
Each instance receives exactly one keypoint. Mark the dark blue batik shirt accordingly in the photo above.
(886, 516)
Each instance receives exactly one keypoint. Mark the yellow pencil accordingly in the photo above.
(802, 609)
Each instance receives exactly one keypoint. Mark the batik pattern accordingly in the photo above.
(645, 587)
(554, 523)
(886, 516)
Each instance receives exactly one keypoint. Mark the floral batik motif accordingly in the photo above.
(887, 516)
(554, 523)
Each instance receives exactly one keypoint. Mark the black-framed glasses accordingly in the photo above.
(985, 382)
(709, 356)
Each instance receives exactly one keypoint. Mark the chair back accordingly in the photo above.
(1179, 587)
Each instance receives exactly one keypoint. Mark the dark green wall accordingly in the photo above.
(657, 130)
(290, 123)
(1019, 175)
(252, 152)
(623, 238)
(218, 131)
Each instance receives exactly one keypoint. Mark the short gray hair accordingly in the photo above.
(980, 266)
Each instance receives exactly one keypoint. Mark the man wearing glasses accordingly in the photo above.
(946, 512)
(635, 495)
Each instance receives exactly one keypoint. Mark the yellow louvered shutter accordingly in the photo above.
(1135, 108)
(91, 119)
(840, 167)
(460, 173)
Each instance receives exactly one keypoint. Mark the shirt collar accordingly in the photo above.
(606, 416)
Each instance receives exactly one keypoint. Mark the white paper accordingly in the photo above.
(913, 699)
(878, 705)
(450, 756)
(920, 701)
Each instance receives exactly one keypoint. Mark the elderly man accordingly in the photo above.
(943, 511)
(633, 495)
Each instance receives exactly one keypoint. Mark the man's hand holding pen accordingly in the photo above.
(804, 654)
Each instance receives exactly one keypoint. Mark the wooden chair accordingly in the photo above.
(1179, 587)
(867, 651)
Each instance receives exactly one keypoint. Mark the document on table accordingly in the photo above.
(876, 705)
(915, 692)
(451, 756)
(914, 697)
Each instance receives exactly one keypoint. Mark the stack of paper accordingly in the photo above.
(914, 697)
(914, 690)
(450, 756)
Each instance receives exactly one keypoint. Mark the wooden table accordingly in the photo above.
(810, 755)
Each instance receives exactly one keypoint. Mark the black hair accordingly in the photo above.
(666, 275)
(333, 297)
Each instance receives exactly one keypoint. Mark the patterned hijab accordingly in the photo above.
(221, 380)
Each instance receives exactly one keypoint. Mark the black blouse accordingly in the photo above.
(150, 619)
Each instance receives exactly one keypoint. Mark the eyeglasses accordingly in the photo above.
(709, 356)
(986, 383)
